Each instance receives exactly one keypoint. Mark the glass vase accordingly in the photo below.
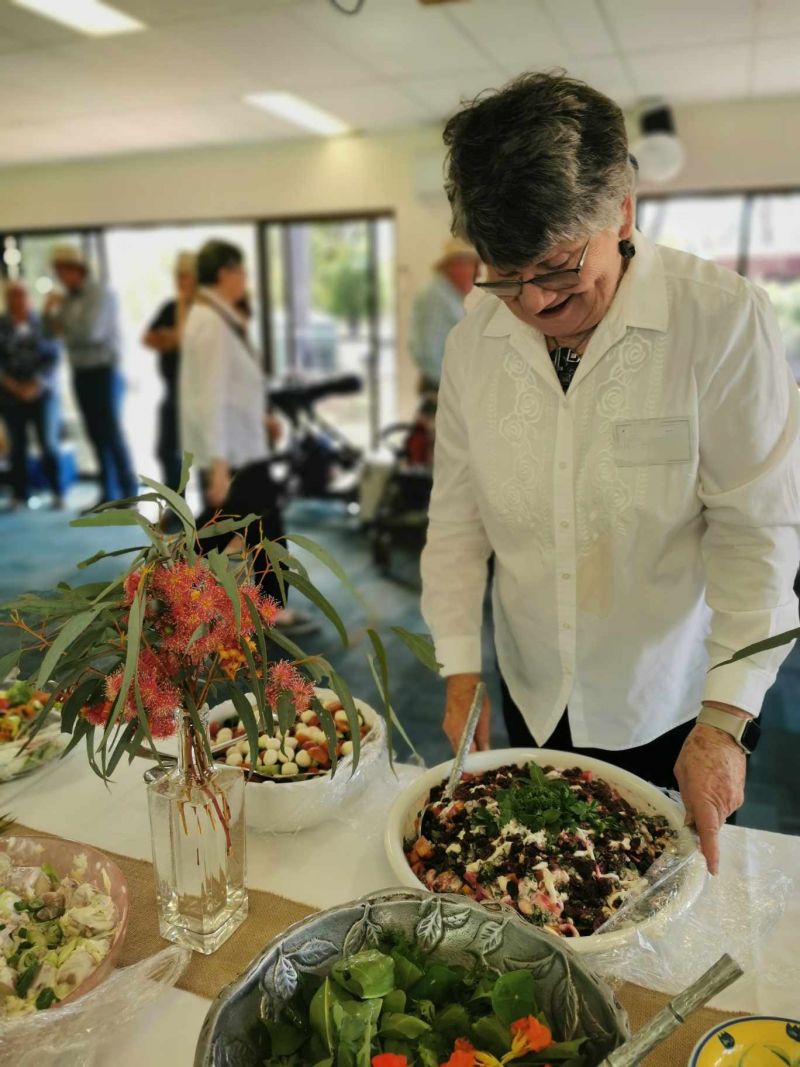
(197, 829)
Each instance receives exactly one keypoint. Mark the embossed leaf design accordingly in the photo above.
(455, 917)
(590, 1024)
(284, 977)
(430, 928)
(490, 937)
(314, 953)
(566, 997)
(373, 933)
(541, 968)
(355, 938)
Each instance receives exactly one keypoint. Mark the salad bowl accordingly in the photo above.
(288, 806)
(644, 797)
(450, 930)
(20, 753)
(64, 857)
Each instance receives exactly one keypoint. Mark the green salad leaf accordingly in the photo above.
(367, 974)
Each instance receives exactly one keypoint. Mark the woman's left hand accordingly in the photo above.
(710, 770)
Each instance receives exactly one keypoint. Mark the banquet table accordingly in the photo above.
(339, 861)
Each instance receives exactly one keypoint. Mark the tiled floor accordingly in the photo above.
(39, 549)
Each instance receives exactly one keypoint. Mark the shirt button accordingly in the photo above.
(566, 576)
(562, 466)
(565, 626)
(564, 524)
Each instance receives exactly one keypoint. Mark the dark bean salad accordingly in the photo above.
(563, 847)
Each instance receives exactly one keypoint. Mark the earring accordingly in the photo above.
(627, 249)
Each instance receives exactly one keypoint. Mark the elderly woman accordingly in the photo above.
(618, 428)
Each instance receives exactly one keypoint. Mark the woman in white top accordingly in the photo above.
(222, 406)
(618, 427)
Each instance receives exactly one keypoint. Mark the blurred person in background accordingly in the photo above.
(29, 393)
(164, 337)
(86, 315)
(438, 306)
(222, 412)
(618, 426)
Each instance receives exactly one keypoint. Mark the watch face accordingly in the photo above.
(751, 735)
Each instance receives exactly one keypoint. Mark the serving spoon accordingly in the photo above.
(464, 745)
(718, 977)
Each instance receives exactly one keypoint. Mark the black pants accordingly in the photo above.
(43, 415)
(654, 761)
(99, 394)
(253, 490)
(167, 449)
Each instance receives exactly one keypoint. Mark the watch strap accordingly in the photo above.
(734, 725)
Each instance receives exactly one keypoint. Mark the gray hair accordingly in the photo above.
(543, 160)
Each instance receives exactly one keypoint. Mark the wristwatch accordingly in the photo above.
(745, 732)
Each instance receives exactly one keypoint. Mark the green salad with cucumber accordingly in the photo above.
(393, 1007)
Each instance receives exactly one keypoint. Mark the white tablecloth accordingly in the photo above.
(333, 863)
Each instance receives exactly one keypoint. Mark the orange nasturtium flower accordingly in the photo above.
(463, 1054)
(530, 1036)
(389, 1059)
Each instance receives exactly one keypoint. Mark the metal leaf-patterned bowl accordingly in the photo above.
(452, 929)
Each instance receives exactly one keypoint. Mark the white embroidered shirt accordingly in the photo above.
(644, 525)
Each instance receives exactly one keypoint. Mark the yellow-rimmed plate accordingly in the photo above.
(751, 1041)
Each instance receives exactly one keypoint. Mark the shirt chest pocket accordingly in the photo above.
(653, 442)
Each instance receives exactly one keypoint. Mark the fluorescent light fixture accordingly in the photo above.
(87, 16)
(294, 109)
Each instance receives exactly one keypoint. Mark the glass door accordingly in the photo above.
(331, 304)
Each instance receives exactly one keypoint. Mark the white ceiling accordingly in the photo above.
(181, 81)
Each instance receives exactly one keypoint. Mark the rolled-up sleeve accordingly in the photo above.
(750, 487)
(457, 548)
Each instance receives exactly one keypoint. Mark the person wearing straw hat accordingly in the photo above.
(437, 308)
(618, 427)
(163, 336)
(86, 315)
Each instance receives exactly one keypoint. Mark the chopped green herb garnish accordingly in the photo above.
(543, 803)
(46, 998)
(25, 980)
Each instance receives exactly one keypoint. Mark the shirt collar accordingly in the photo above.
(640, 302)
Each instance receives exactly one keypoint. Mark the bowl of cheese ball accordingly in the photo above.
(296, 782)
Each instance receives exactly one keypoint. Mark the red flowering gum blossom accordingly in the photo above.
(160, 697)
(284, 677)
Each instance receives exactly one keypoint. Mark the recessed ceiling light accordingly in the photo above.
(294, 109)
(87, 16)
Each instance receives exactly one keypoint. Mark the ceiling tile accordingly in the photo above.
(159, 12)
(33, 31)
(656, 24)
(776, 69)
(607, 74)
(710, 73)
(442, 96)
(256, 52)
(581, 27)
(515, 33)
(395, 37)
(370, 107)
(778, 18)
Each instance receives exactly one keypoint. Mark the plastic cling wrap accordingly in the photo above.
(671, 936)
(75, 1032)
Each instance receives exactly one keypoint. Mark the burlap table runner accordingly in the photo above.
(271, 914)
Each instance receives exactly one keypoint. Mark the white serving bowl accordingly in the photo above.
(644, 796)
(285, 807)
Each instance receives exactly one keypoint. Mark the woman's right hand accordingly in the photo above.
(460, 691)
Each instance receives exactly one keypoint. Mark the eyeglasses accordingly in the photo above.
(511, 288)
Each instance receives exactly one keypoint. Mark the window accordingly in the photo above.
(757, 234)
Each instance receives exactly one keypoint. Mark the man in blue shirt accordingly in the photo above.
(438, 307)
(28, 393)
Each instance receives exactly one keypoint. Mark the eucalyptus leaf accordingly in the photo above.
(225, 526)
(84, 563)
(68, 633)
(310, 592)
(342, 691)
(186, 467)
(324, 556)
(776, 641)
(247, 717)
(422, 647)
